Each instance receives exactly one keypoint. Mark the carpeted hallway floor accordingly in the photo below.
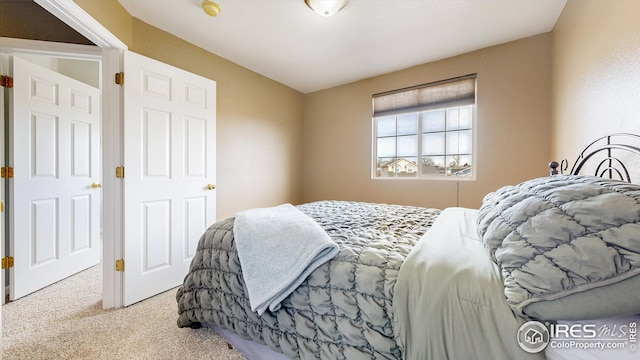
(66, 321)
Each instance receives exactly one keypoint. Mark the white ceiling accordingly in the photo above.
(287, 42)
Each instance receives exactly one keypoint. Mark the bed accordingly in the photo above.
(381, 281)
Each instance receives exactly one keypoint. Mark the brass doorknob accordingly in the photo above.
(96, 186)
(211, 186)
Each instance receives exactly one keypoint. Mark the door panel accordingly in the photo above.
(169, 140)
(54, 132)
(80, 223)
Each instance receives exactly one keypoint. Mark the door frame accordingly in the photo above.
(111, 50)
(10, 46)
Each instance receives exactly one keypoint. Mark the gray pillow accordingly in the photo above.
(568, 246)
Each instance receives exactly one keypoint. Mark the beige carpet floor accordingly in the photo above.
(66, 321)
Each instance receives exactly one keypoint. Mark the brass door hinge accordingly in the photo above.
(7, 262)
(120, 78)
(120, 265)
(6, 172)
(120, 172)
(6, 81)
(1, 206)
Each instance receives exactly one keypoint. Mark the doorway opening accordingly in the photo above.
(53, 213)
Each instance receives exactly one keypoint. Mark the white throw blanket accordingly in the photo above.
(278, 248)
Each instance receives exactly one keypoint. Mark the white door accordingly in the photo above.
(169, 173)
(54, 149)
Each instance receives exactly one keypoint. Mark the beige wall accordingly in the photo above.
(513, 117)
(259, 121)
(596, 73)
(112, 16)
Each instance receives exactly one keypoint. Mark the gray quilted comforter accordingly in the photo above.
(343, 310)
(568, 246)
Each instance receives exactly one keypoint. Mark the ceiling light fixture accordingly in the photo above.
(210, 8)
(326, 7)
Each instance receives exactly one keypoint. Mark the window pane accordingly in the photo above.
(408, 145)
(433, 120)
(466, 117)
(465, 160)
(459, 165)
(433, 165)
(453, 161)
(433, 144)
(406, 167)
(386, 147)
(382, 167)
(453, 119)
(459, 142)
(386, 126)
(408, 124)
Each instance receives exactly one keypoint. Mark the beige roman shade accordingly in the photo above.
(447, 93)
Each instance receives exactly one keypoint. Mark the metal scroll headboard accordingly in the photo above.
(608, 156)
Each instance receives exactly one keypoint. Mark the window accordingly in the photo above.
(425, 131)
